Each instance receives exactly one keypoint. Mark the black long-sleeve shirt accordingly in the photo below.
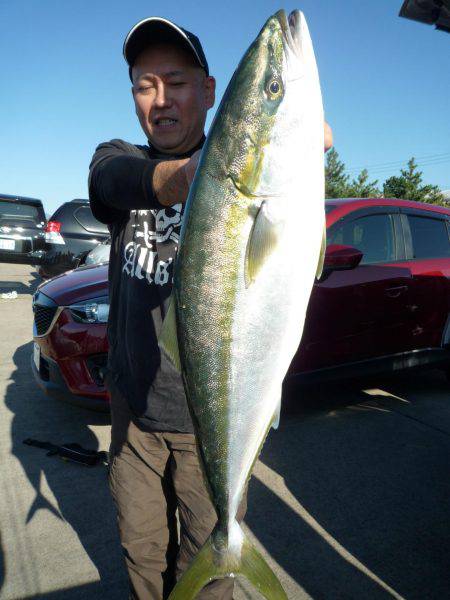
(144, 243)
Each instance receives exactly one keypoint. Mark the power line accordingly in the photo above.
(430, 159)
(401, 162)
(420, 165)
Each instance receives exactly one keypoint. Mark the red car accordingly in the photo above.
(69, 331)
(382, 304)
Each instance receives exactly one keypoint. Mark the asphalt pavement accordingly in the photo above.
(349, 500)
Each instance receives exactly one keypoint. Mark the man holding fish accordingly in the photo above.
(140, 192)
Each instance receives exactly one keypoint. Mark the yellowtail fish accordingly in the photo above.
(251, 244)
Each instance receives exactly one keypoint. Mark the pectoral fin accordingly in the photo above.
(168, 339)
(262, 241)
(322, 254)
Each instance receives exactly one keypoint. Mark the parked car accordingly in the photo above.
(99, 255)
(382, 304)
(70, 345)
(22, 222)
(71, 233)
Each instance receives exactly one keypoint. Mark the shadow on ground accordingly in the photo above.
(371, 469)
(21, 287)
(81, 493)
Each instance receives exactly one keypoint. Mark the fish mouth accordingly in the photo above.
(291, 27)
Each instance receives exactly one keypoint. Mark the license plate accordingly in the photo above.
(37, 355)
(7, 244)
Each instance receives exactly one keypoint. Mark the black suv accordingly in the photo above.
(22, 222)
(71, 232)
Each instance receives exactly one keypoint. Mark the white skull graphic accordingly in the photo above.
(166, 220)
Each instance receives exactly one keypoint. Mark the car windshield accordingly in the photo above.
(15, 209)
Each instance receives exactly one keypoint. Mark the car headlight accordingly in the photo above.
(91, 311)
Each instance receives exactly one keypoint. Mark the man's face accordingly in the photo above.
(172, 96)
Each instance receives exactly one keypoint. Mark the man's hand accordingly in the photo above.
(191, 167)
(172, 179)
(328, 136)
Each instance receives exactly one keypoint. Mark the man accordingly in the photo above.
(139, 191)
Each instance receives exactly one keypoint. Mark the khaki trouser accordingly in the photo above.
(151, 475)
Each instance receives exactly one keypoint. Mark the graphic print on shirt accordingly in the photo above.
(152, 227)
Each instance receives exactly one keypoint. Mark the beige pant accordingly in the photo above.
(151, 476)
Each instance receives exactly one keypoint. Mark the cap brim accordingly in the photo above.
(153, 30)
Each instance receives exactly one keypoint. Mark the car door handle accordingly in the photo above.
(394, 292)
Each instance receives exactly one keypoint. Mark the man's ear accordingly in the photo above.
(133, 92)
(210, 91)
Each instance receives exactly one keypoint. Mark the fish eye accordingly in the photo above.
(274, 88)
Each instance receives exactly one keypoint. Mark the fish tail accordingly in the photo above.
(216, 561)
(255, 568)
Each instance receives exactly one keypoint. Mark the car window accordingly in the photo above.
(15, 209)
(373, 235)
(65, 212)
(87, 220)
(429, 237)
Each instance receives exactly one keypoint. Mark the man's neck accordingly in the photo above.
(160, 154)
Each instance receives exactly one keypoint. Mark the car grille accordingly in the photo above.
(43, 317)
(44, 309)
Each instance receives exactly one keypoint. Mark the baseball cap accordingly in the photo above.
(157, 29)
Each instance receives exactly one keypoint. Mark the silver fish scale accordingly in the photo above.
(204, 338)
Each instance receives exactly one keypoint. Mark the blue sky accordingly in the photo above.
(65, 87)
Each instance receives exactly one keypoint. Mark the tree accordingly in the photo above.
(336, 180)
(362, 188)
(409, 186)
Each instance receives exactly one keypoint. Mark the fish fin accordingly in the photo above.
(212, 564)
(276, 416)
(201, 571)
(255, 568)
(322, 254)
(168, 338)
(263, 239)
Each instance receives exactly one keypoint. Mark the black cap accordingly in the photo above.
(157, 29)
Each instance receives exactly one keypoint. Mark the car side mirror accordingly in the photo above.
(340, 258)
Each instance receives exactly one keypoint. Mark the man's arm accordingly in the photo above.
(122, 179)
(172, 179)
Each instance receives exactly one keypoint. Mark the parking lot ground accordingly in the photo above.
(349, 500)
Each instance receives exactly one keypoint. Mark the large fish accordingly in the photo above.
(251, 244)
